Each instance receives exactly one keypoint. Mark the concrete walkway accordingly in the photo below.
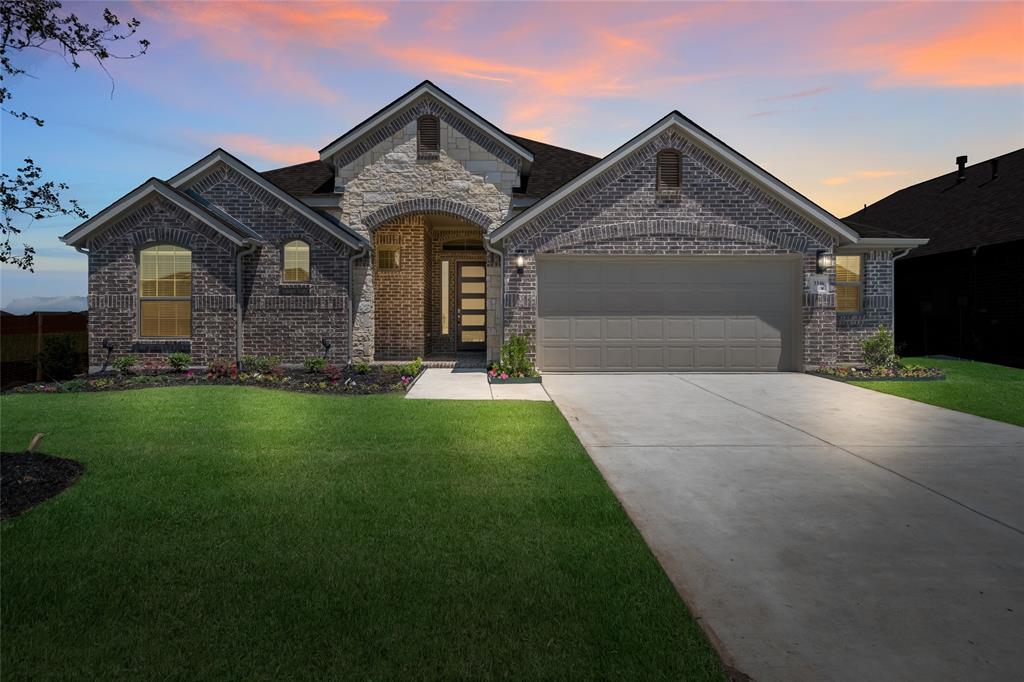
(438, 383)
(820, 531)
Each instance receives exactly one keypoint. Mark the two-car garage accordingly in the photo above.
(664, 313)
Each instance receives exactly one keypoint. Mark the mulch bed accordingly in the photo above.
(31, 478)
(348, 381)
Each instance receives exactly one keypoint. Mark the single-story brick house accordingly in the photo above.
(426, 230)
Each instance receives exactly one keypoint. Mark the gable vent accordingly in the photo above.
(670, 173)
(428, 137)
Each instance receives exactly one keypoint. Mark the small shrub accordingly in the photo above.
(333, 373)
(219, 369)
(76, 385)
(59, 356)
(362, 368)
(153, 366)
(179, 361)
(315, 365)
(880, 350)
(514, 358)
(260, 363)
(126, 363)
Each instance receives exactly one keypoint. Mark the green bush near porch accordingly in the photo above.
(230, 532)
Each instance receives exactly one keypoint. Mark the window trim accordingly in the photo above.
(678, 157)
(139, 298)
(858, 284)
(424, 152)
(309, 262)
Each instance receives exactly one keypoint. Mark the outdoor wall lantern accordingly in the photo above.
(326, 343)
(520, 264)
(824, 261)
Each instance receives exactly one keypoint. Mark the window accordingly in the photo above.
(387, 258)
(670, 172)
(165, 292)
(444, 297)
(428, 137)
(848, 283)
(296, 262)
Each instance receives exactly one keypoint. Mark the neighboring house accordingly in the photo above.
(427, 230)
(963, 293)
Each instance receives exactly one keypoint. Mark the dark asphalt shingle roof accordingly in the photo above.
(303, 179)
(552, 166)
(976, 212)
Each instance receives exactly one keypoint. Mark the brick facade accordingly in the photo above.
(401, 298)
(717, 212)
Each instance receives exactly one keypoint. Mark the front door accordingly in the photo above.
(471, 303)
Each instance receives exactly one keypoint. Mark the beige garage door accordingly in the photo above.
(667, 314)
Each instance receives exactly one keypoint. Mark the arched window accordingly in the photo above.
(165, 292)
(296, 262)
(670, 172)
(428, 137)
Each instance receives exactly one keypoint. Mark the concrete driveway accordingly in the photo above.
(820, 531)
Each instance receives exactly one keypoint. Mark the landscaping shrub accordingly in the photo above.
(409, 369)
(362, 367)
(154, 366)
(59, 356)
(262, 364)
(219, 369)
(179, 361)
(880, 350)
(315, 365)
(126, 363)
(333, 373)
(514, 360)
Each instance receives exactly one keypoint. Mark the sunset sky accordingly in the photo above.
(845, 102)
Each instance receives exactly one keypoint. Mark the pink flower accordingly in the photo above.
(188, 374)
(504, 375)
(493, 372)
(405, 381)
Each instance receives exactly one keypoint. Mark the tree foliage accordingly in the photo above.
(44, 25)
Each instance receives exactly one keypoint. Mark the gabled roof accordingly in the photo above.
(978, 211)
(303, 179)
(219, 156)
(552, 167)
(234, 231)
(424, 89)
(784, 193)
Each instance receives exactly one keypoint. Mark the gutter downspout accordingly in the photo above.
(249, 249)
(501, 290)
(363, 250)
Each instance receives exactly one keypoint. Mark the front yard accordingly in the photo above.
(232, 532)
(979, 388)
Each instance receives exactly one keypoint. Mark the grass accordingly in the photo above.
(979, 388)
(231, 532)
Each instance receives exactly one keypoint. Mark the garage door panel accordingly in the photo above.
(658, 313)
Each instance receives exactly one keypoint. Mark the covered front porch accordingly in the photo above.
(435, 295)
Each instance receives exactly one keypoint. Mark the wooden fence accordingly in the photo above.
(22, 338)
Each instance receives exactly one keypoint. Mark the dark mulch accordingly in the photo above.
(31, 478)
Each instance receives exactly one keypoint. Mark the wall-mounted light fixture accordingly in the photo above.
(824, 261)
(326, 343)
(520, 264)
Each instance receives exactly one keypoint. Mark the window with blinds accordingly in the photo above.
(165, 292)
(387, 258)
(849, 283)
(428, 137)
(670, 171)
(295, 261)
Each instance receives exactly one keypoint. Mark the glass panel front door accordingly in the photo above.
(472, 301)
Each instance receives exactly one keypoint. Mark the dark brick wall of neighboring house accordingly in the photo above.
(279, 319)
(964, 303)
(401, 303)
(716, 212)
(113, 286)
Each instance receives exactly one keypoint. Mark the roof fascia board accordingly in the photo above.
(674, 119)
(406, 100)
(128, 201)
(198, 169)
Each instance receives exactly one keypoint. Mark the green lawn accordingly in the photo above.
(979, 388)
(228, 532)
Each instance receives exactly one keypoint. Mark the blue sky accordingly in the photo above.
(847, 102)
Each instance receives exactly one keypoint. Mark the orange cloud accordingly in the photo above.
(832, 182)
(245, 145)
(982, 50)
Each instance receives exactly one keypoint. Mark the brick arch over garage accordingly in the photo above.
(675, 229)
(427, 206)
